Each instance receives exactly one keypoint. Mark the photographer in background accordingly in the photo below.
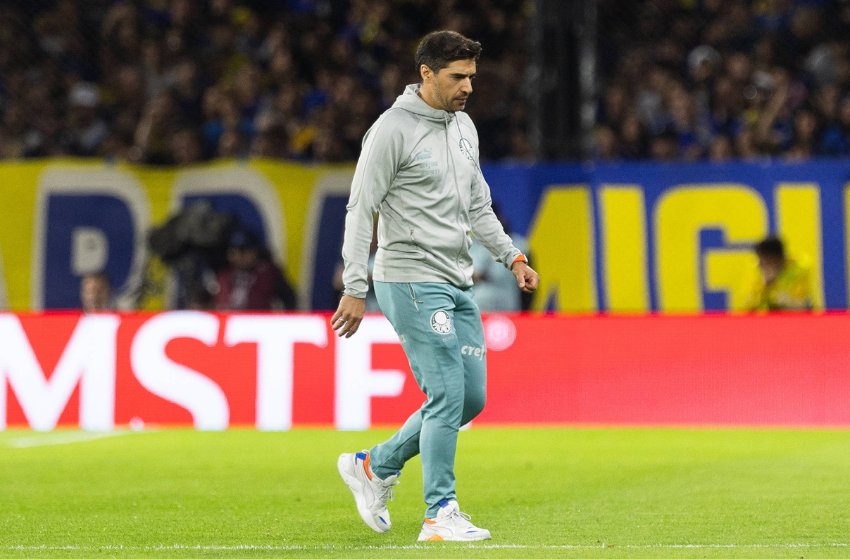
(250, 280)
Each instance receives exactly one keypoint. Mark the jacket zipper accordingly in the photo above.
(458, 215)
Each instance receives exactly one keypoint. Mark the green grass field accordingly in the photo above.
(588, 493)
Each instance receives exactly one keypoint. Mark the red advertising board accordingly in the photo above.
(276, 371)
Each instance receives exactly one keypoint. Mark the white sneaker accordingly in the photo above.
(370, 492)
(451, 525)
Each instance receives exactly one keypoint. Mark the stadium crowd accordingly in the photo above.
(722, 79)
(179, 81)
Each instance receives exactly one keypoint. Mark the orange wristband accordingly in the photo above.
(521, 258)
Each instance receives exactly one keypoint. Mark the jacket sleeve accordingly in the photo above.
(486, 227)
(376, 169)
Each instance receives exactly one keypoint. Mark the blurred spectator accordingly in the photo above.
(231, 144)
(721, 149)
(606, 144)
(634, 138)
(805, 134)
(84, 131)
(664, 146)
(155, 129)
(250, 280)
(185, 146)
(95, 292)
(782, 283)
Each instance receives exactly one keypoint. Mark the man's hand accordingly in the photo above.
(526, 278)
(346, 320)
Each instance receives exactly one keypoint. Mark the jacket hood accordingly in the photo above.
(411, 101)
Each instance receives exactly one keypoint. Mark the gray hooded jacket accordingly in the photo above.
(418, 170)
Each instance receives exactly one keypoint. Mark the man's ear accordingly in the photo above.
(425, 72)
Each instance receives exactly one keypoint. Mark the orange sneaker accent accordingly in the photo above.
(366, 466)
(430, 521)
(435, 538)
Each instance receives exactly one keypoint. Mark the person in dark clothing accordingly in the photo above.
(251, 280)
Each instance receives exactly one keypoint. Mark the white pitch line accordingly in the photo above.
(65, 437)
(249, 547)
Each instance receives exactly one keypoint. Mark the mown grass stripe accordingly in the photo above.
(62, 437)
(250, 547)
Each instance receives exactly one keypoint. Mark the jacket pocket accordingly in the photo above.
(405, 251)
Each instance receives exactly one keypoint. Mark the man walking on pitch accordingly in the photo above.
(418, 170)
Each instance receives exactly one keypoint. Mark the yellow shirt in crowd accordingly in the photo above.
(790, 291)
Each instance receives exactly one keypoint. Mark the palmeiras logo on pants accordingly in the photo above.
(441, 322)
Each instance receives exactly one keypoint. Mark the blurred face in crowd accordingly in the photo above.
(745, 143)
(805, 125)
(664, 148)
(720, 149)
(186, 147)
(243, 258)
(450, 87)
(681, 106)
(606, 143)
(770, 267)
(94, 293)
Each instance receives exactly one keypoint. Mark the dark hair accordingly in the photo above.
(244, 239)
(771, 247)
(438, 48)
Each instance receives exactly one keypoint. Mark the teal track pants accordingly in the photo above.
(440, 329)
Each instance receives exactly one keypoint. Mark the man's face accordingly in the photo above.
(242, 258)
(94, 294)
(771, 267)
(449, 88)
